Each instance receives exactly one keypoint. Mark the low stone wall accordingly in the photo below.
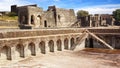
(104, 30)
(37, 32)
(8, 23)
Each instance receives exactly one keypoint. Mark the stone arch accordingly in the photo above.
(32, 19)
(39, 19)
(31, 47)
(42, 47)
(51, 45)
(45, 23)
(20, 50)
(59, 45)
(72, 41)
(6, 53)
(66, 43)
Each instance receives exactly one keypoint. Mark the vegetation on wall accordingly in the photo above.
(8, 17)
(11, 14)
(116, 15)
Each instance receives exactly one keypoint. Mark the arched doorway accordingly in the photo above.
(39, 19)
(32, 19)
(45, 23)
(66, 44)
(91, 42)
(6, 53)
(42, 47)
(59, 45)
(51, 45)
(20, 50)
(31, 47)
(72, 42)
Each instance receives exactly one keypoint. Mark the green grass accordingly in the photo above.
(9, 18)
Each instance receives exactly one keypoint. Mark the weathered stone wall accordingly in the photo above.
(65, 17)
(25, 43)
(49, 17)
(16, 46)
(103, 31)
(9, 23)
(35, 16)
(29, 33)
(54, 17)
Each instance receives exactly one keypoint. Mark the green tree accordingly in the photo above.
(82, 13)
(116, 15)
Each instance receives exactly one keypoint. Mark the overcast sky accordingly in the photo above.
(93, 6)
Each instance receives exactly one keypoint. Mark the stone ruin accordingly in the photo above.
(31, 16)
(15, 44)
(96, 20)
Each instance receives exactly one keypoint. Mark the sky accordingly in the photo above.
(92, 6)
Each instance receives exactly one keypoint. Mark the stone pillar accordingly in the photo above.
(62, 44)
(55, 46)
(12, 56)
(69, 43)
(90, 23)
(26, 51)
(37, 49)
(29, 20)
(16, 54)
(47, 49)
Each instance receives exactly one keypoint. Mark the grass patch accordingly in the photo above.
(8, 18)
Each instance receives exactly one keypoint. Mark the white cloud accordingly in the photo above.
(56, 0)
(5, 4)
(100, 9)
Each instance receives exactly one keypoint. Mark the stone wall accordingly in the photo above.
(17, 44)
(65, 18)
(9, 23)
(29, 33)
(35, 17)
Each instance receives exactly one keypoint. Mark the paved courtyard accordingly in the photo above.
(67, 59)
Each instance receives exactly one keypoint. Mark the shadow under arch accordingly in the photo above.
(42, 47)
(31, 47)
(6, 52)
(51, 45)
(72, 42)
(20, 50)
(66, 44)
(59, 45)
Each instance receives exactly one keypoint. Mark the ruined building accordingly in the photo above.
(97, 20)
(31, 16)
(16, 44)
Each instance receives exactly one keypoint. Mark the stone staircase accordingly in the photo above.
(102, 41)
(79, 41)
(84, 36)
